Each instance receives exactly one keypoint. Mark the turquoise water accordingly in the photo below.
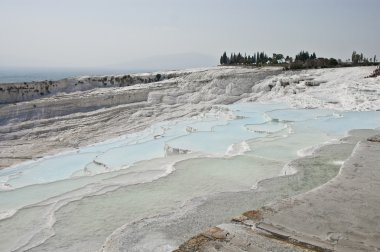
(84, 195)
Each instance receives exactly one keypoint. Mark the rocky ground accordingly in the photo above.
(341, 215)
(68, 119)
(85, 110)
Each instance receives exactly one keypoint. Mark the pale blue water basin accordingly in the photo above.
(209, 134)
(47, 170)
(346, 121)
(295, 115)
(268, 127)
(120, 157)
(220, 139)
(256, 107)
(103, 186)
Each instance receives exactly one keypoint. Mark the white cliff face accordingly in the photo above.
(72, 119)
(69, 117)
(26, 91)
(338, 88)
(195, 124)
(66, 104)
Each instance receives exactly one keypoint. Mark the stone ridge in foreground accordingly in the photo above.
(338, 216)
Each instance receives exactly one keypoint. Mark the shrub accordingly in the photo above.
(333, 62)
(296, 65)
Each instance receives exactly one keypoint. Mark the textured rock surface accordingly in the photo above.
(340, 215)
(199, 214)
(31, 129)
(26, 91)
(374, 138)
(81, 111)
(337, 88)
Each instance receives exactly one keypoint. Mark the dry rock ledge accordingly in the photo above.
(48, 117)
(44, 118)
(341, 215)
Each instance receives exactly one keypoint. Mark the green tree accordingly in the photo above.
(249, 60)
(303, 56)
(225, 58)
(258, 58)
(353, 56)
(278, 57)
(274, 59)
(239, 58)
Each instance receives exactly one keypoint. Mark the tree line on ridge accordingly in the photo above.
(303, 60)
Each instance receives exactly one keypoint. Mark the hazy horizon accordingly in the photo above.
(146, 33)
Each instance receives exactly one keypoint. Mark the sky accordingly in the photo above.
(103, 33)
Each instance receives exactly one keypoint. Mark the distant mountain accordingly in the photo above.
(150, 64)
(169, 62)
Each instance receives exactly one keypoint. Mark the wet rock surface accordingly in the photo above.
(85, 110)
(32, 129)
(89, 112)
(337, 216)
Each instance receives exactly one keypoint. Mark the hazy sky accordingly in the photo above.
(95, 33)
